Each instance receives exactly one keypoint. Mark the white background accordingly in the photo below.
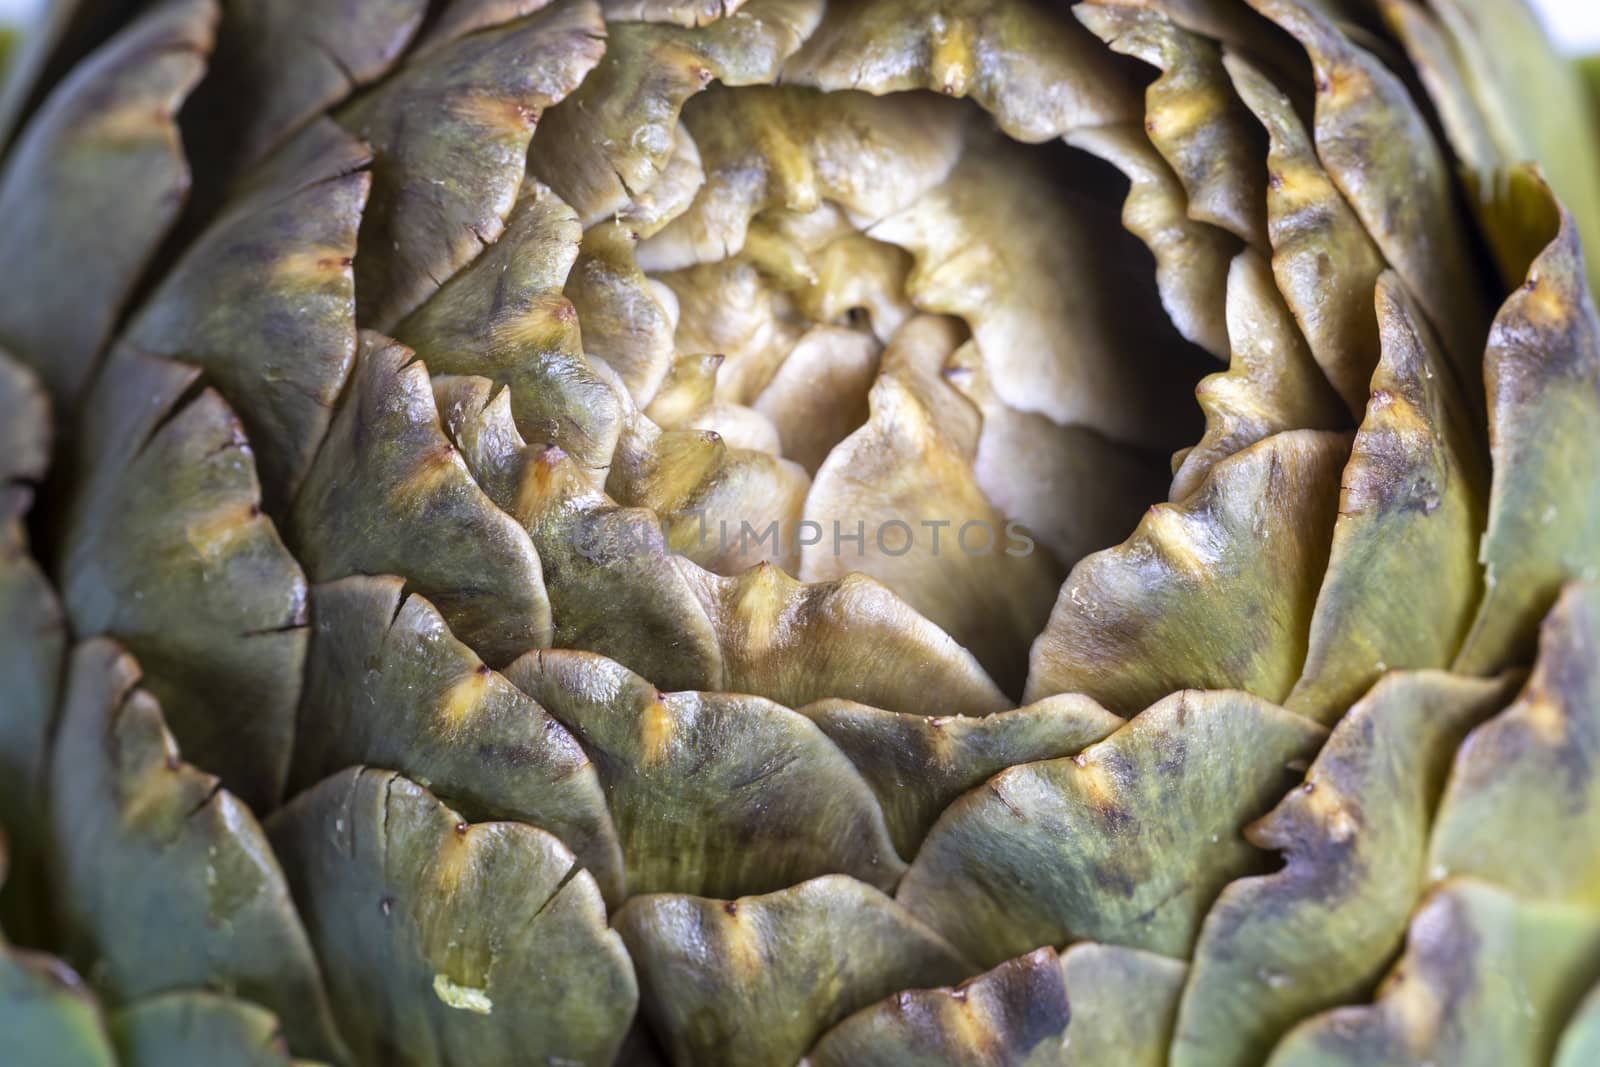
(10, 9)
(1573, 23)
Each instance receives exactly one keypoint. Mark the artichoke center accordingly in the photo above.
(904, 345)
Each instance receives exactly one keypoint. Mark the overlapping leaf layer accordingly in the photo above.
(472, 481)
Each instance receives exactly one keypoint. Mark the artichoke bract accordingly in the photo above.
(731, 533)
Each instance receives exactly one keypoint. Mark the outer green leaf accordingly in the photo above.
(1015, 1015)
(1374, 141)
(1213, 592)
(452, 20)
(1321, 931)
(722, 506)
(91, 188)
(388, 684)
(47, 1017)
(1580, 1041)
(1325, 263)
(1272, 384)
(612, 140)
(1518, 216)
(25, 439)
(755, 981)
(389, 495)
(451, 132)
(917, 764)
(1543, 376)
(167, 478)
(448, 944)
(1127, 842)
(1123, 1003)
(278, 64)
(619, 588)
(1524, 796)
(670, 195)
(1529, 99)
(1193, 117)
(625, 318)
(1037, 73)
(852, 638)
(714, 794)
(163, 880)
(198, 1028)
(1414, 490)
(616, 588)
(1486, 981)
(504, 318)
(1239, 30)
(1439, 68)
(263, 303)
(32, 643)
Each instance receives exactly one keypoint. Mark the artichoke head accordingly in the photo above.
(982, 533)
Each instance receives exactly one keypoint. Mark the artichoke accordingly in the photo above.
(680, 531)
